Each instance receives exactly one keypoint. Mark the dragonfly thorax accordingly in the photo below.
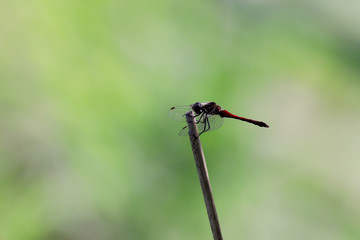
(207, 108)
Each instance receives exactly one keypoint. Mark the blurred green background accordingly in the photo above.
(87, 150)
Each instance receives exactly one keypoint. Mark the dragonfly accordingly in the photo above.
(209, 116)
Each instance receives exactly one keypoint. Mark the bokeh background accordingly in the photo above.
(87, 150)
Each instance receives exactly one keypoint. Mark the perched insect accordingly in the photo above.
(209, 116)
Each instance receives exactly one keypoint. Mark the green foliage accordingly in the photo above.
(87, 150)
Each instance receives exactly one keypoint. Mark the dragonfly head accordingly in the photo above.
(197, 107)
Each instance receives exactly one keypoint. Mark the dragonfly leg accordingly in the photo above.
(202, 115)
(206, 122)
(206, 125)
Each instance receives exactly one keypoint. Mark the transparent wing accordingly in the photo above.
(177, 113)
(215, 122)
(184, 132)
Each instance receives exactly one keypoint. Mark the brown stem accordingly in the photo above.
(203, 175)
